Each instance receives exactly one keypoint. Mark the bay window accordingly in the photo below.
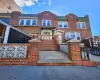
(72, 35)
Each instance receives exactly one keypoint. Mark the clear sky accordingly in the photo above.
(63, 7)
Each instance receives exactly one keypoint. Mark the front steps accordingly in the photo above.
(49, 45)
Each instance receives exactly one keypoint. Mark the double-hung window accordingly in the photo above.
(22, 22)
(28, 22)
(81, 25)
(34, 22)
(6, 20)
(72, 35)
(46, 22)
(78, 36)
(62, 24)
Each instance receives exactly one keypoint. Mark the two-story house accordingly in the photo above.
(47, 25)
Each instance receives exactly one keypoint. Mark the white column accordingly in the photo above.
(6, 35)
(76, 35)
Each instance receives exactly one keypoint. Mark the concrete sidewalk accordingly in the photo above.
(49, 73)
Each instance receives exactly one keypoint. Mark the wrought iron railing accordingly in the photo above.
(84, 53)
(94, 51)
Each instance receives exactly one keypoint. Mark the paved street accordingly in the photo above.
(49, 73)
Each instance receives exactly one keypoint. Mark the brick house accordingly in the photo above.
(46, 25)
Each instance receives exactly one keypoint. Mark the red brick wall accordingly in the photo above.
(72, 19)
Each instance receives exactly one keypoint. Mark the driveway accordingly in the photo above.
(49, 73)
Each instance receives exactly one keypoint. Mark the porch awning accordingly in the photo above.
(13, 35)
(47, 27)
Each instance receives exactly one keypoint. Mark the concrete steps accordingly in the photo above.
(48, 45)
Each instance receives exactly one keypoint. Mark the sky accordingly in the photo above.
(64, 7)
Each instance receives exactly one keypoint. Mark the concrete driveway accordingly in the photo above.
(49, 73)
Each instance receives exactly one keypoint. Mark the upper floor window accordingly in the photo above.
(72, 35)
(22, 22)
(46, 22)
(2, 19)
(33, 22)
(6, 20)
(81, 25)
(27, 22)
(62, 24)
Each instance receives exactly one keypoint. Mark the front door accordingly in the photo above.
(46, 34)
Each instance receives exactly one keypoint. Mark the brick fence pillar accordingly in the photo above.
(74, 52)
(34, 46)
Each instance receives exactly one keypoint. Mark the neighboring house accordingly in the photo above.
(96, 41)
(47, 24)
(8, 6)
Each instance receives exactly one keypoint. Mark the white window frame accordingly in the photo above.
(81, 25)
(26, 20)
(46, 22)
(69, 34)
(63, 22)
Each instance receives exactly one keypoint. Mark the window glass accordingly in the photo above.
(7, 20)
(2, 19)
(78, 36)
(67, 36)
(44, 23)
(60, 24)
(28, 22)
(48, 23)
(33, 22)
(78, 25)
(72, 35)
(65, 24)
(22, 22)
(83, 25)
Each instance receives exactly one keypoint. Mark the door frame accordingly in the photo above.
(46, 37)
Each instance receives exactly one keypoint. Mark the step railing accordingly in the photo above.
(84, 53)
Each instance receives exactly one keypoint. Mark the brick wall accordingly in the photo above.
(72, 19)
(29, 60)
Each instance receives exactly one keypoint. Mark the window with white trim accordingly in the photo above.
(28, 22)
(46, 22)
(62, 24)
(81, 25)
(72, 35)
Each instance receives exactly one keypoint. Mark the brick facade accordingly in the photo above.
(72, 19)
